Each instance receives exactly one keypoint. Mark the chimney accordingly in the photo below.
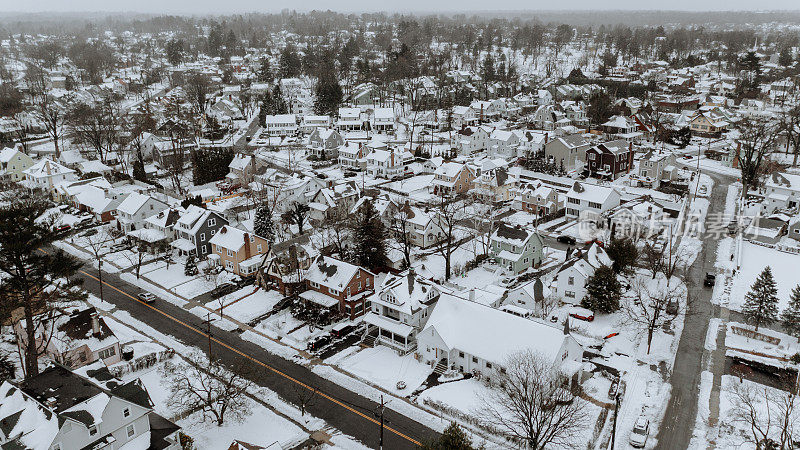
(95, 324)
(246, 245)
(472, 295)
(546, 138)
(410, 281)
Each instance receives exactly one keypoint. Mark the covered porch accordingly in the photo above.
(389, 332)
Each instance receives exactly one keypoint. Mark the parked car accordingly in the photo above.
(320, 342)
(61, 228)
(342, 330)
(710, 280)
(147, 297)
(120, 246)
(581, 313)
(223, 289)
(640, 432)
(564, 239)
(89, 232)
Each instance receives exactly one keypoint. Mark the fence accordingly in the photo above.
(467, 418)
(141, 363)
(755, 335)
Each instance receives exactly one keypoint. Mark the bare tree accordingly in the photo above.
(484, 214)
(136, 257)
(97, 245)
(529, 401)
(209, 387)
(655, 305)
(756, 141)
(768, 413)
(305, 396)
(335, 232)
(296, 214)
(790, 126)
(401, 229)
(449, 212)
(47, 109)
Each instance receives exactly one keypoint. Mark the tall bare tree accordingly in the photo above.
(208, 386)
(756, 141)
(790, 126)
(47, 109)
(769, 414)
(401, 228)
(655, 305)
(449, 213)
(528, 402)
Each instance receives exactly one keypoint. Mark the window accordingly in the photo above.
(571, 281)
(107, 353)
(212, 221)
(92, 430)
(574, 201)
(591, 156)
(475, 360)
(202, 237)
(258, 248)
(252, 238)
(460, 354)
(229, 264)
(126, 412)
(569, 294)
(56, 446)
(488, 365)
(130, 430)
(359, 285)
(231, 252)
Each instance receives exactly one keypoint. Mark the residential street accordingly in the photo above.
(341, 408)
(679, 419)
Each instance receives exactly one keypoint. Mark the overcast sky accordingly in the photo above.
(232, 6)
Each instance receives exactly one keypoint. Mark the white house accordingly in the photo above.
(388, 163)
(281, 124)
(570, 280)
(782, 191)
(590, 198)
(474, 338)
(135, 209)
(46, 174)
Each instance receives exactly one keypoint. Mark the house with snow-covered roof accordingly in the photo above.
(59, 409)
(13, 163)
(609, 160)
(71, 337)
(474, 338)
(46, 174)
(400, 307)
(590, 198)
(339, 286)
(782, 191)
(241, 169)
(135, 208)
(238, 251)
(324, 143)
(194, 229)
(516, 248)
(570, 280)
(452, 178)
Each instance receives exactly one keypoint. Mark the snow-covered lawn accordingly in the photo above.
(262, 427)
(754, 259)
(247, 308)
(463, 395)
(382, 366)
(169, 277)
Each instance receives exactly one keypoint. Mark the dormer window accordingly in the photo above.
(92, 430)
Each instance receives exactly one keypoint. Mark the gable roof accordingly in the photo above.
(331, 272)
(489, 333)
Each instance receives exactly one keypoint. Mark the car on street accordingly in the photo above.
(710, 280)
(581, 313)
(564, 239)
(147, 297)
(640, 432)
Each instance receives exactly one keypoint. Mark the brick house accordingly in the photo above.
(338, 285)
(610, 160)
(238, 251)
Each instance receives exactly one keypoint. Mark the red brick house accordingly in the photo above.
(340, 286)
(609, 160)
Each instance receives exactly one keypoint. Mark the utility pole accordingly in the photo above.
(380, 412)
(207, 323)
(614, 430)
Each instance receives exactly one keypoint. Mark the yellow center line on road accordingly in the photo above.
(262, 364)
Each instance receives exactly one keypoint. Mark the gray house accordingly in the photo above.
(60, 410)
(325, 142)
(194, 229)
(568, 150)
(515, 248)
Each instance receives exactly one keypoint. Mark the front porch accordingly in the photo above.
(385, 331)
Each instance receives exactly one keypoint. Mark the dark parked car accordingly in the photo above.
(342, 330)
(564, 239)
(710, 280)
(223, 289)
(320, 342)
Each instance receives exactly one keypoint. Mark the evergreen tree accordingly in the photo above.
(370, 237)
(328, 96)
(602, 291)
(139, 172)
(785, 57)
(790, 318)
(190, 269)
(262, 224)
(624, 254)
(453, 438)
(761, 303)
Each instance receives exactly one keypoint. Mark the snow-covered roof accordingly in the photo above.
(491, 334)
(590, 192)
(47, 168)
(133, 203)
(240, 162)
(406, 292)
(7, 153)
(229, 238)
(33, 425)
(331, 272)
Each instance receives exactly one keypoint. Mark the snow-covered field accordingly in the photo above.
(754, 259)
